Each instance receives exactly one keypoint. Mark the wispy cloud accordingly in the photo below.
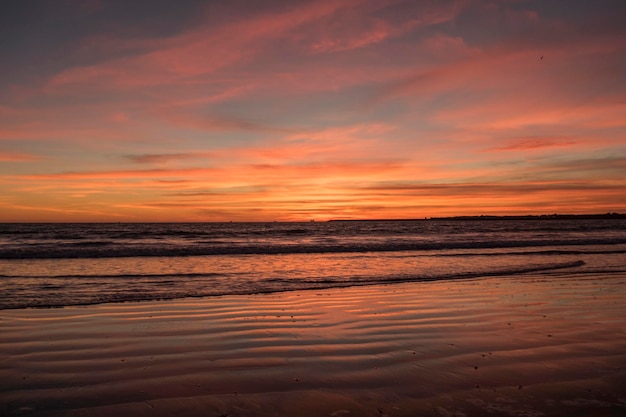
(530, 143)
(319, 108)
(165, 158)
(17, 157)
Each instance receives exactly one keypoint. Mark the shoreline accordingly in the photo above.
(510, 273)
(530, 346)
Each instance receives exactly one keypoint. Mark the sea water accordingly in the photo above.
(54, 265)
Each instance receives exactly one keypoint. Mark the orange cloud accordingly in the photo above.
(324, 109)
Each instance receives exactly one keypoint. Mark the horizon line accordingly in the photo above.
(608, 215)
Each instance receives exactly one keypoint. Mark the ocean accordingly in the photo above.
(56, 265)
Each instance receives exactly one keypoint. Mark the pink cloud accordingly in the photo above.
(61, 132)
(6, 111)
(17, 157)
(194, 56)
(455, 122)
(352, 30)
(172, 157)
(199, 52)
(123, 174)
(531, 143)
(516, 67)
(507, 114)
(216, 123)
(347, 143)
(449, 46)
(379, 32)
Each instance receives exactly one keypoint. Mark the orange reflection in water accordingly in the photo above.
(527, 341)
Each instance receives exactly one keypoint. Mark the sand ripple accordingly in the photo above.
(510, 347)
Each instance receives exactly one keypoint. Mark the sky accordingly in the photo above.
(128, 111)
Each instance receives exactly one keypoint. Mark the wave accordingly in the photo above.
(412, 278)
(102, 249)
(555, 252)
(121, 276)
(107, 289)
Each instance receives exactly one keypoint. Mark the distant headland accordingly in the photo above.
(537, 217)
(505, 217)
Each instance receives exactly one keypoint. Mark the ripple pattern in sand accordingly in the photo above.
(506, 347)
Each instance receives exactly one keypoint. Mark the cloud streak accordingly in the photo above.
(317, 109)
(17, 157)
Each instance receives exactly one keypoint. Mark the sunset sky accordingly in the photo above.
(318, 109)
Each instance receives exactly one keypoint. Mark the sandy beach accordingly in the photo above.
(499, 346)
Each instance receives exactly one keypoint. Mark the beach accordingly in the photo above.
(500, 346)
(313, 208)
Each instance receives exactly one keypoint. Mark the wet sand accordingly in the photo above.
(524, 346)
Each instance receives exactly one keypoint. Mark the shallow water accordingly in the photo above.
(74, 264)
(530, 346)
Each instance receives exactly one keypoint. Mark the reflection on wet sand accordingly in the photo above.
(496, 346)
